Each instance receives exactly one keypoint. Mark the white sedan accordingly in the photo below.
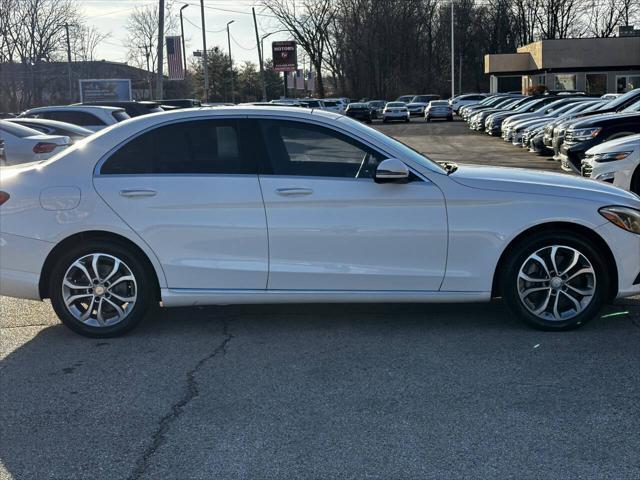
(262, 205)
(616, 161)
(23, 144)
(396, 111)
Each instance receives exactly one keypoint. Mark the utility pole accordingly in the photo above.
(184, 55)
(460, 75)
(260, 56)
(205, 63)
(233, 92)
(160, 50)
(453, 62)
(66, 27)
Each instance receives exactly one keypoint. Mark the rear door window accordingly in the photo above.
(191, 147)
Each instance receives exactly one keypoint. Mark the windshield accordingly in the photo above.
(396, 104)
(623, 98)
(634, 107)
(377, 103)
(424, 98)
(438, 103)
(357, 105)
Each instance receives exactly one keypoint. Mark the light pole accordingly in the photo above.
(184, 55)
(233, 93)
(453, 61)
(205, 64)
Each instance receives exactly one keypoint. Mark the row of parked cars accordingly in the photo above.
(39, 133)
(597, 138)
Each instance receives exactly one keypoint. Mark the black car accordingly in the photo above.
(359, 111)
(134, 109)
(182, 102)
(592, 131)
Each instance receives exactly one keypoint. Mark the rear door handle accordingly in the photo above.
(289, 192)
(137, 193)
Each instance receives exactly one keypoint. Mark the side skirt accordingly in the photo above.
(191, 297)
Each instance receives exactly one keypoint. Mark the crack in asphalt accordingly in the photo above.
(177, 409)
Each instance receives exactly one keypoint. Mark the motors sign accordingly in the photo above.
(285, 58)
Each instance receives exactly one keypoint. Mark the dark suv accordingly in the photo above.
(592, 131)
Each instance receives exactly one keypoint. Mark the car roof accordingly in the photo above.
(51, 123)
(76, 108)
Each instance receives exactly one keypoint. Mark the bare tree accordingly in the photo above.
(308, 22)
(84, 42)
(605, 15)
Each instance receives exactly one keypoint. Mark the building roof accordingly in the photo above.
(613, 53)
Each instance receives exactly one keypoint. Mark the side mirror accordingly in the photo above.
(391, 170)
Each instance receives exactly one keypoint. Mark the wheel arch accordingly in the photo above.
(70, 241)
(574, 228)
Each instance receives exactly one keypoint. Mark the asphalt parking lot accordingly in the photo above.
(326, 391)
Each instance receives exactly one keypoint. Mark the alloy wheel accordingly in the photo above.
(99, 290)
(556, 283)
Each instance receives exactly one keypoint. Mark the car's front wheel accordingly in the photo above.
(555, 281)
(100, 289)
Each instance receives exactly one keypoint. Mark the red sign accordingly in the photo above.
(285, 58)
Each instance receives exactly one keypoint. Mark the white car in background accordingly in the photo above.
(88, 116)
(395, 111)
(239, 205)
(333, 105)
(466, 99)
(438, 109)
(23, 144)
(616, 161)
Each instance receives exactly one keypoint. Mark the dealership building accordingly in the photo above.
(593, 65)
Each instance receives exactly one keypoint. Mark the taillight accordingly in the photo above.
(4, 196)
(43, 147)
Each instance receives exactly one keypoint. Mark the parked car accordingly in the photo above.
(616, 161)
(322, 211)
(493, 102)
(592, 131)
(418, 104)
(2, 159)
(359, 111)
(89, 116)
(540, 117)
(312, 103)
(438, 109)
(490, 119)
(468, 99)
(53, 127)
(395, 111)
(133, 108)
(610, 96)
(182, 102)
(376, 107)
(24, 145)
(334, 106)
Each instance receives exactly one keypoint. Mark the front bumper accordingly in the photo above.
(619, 173)
(625, 247)
(21, 262)
(395, 116)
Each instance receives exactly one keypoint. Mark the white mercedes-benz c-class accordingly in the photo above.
(262, 205)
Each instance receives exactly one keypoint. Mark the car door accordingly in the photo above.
(190, 190)
(332, 227)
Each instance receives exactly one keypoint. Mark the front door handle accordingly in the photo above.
(137, 193)
(289, 192)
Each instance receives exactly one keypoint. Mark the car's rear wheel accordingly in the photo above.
(555, 281)
(100, 289)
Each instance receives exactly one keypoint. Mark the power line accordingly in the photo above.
(200, 28)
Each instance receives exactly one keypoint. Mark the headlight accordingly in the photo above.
(623, 217)
(584, 134)
(611, 156)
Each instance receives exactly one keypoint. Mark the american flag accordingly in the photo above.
(174, 58)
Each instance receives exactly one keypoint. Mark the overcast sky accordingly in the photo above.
(110, 16)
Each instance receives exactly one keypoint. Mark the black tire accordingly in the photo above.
(144, 288)
(635, 181)
(509, 278)
(428, 119)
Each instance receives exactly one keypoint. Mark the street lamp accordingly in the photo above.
(233, 93)
(184, 55)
